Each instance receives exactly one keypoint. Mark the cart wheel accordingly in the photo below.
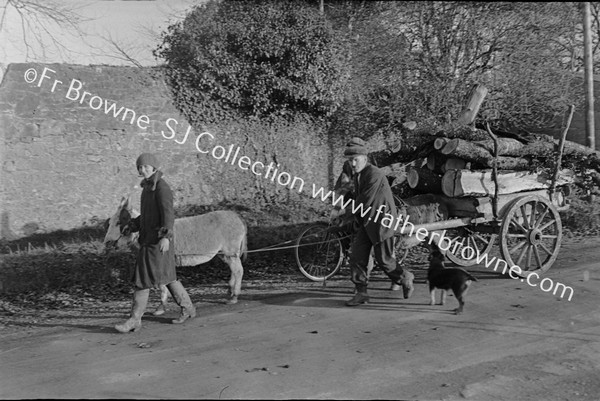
(319, 254)
(481, 242)
(401, 254)
(531, 233)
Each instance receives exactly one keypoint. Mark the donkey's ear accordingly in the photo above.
(124, 202)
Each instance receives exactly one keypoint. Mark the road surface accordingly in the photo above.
(513, 342)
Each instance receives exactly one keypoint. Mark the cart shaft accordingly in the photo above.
(408, 228)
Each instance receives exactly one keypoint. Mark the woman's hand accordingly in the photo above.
(163, 245)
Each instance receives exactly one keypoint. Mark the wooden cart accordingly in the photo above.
(527, 224)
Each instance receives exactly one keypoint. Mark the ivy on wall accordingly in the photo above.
(255, 58)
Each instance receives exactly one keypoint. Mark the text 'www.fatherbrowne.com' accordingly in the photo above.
(445, 244)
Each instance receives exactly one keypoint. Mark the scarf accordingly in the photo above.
(150, 182)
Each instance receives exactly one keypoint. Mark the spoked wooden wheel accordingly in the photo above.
(479, 243)
(401, 254)
(531, 234)
(319, 254)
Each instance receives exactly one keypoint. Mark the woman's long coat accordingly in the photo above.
(155, 221)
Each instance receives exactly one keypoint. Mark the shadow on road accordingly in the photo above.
(333, 298)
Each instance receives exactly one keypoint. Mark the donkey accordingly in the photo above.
(197, 239)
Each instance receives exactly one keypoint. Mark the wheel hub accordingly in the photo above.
(535, 236)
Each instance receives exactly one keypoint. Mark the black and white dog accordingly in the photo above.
(456, 279)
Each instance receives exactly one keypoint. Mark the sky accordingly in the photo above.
(134, 25)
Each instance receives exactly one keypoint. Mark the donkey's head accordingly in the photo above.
(114, 237)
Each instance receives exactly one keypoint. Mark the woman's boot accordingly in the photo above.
(164, 296)
(140, 300)
(159, 311)
(182, 298)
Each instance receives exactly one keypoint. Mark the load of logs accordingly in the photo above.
(472, 168)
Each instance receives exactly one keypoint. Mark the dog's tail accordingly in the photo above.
(469, 275)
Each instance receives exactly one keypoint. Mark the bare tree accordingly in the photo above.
(131, 50)
(123, 50)
(37, 25)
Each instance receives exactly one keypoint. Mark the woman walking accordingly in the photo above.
(155, 264)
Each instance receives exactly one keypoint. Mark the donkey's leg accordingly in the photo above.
(164, 295)
(235, 281)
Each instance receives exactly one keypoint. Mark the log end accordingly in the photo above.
(449, 186)
(431, 161)
(439, 143)
(412, 178)
(454, 164)
(450, 146)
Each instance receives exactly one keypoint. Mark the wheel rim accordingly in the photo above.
(481, 242)
(318, 254)
(531, 234)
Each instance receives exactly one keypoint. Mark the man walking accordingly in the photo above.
(374, 193)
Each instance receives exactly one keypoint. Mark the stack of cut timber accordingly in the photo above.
(460, 171)
(456, 164)
(456, 161)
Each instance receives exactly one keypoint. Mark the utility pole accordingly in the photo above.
(590, 129)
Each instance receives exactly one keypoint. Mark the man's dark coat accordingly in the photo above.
(373, 190)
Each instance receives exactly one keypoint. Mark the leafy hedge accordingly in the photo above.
(258, 58)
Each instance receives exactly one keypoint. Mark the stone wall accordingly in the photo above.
(65, 160)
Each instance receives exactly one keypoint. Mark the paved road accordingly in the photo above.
(513, 342)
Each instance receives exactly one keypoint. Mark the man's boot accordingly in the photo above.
(361, 296)
(182, 298)
(140, 300)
